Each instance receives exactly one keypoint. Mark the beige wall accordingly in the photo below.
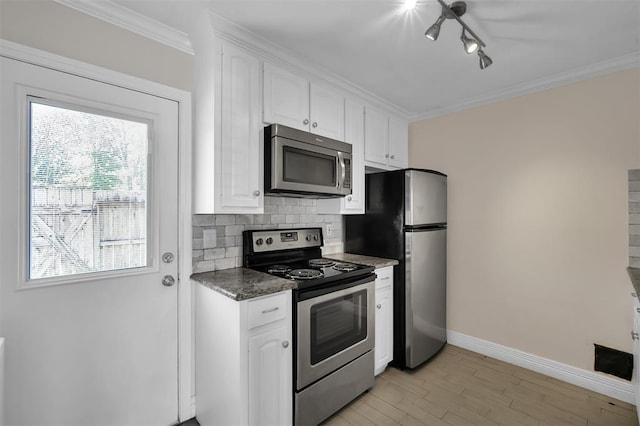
(58, 29)
(538, 216)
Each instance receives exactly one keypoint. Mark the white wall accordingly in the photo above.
(538, 216)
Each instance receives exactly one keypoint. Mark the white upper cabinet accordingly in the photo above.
(291, 100)
(386, 140)
(227, 150)
(354, 134)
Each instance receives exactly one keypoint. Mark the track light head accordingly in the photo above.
(470, 45)
(485, 61)
(434, 31)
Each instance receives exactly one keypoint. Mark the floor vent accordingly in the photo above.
(613, 361)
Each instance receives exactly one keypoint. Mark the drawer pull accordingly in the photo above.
(266, 311)
(384, 278)
(634, 335)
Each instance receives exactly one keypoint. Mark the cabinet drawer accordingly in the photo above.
(266, 310)
(385, 277)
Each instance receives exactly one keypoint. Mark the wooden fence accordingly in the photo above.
(78, 231)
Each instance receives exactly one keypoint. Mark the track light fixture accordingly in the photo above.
(471, 44)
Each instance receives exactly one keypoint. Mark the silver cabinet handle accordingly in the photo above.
(285, 344)
(305, 121)
(634, 335)
(384, 278)
(379, 306)
(349, 198)
(315, 124)
(256, 193)
(168, 281)
(266, 311)
(393, 157)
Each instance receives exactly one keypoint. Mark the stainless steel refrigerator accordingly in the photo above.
(406, 219)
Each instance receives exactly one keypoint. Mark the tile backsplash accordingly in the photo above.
(634, 218)
(217, 238)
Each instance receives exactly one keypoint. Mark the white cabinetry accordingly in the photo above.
(354, 134)
(243, 359)
(636, 351)
(384, 318)
(293, 101)
(228, 149)
(386, 140)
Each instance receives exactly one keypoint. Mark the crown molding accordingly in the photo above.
(562, 79)
(135, 22)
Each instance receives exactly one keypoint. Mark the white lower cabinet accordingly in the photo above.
(244, 361)
(384, 318)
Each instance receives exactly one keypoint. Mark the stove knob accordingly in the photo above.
(315, 238)
(259, 241)
(308, 238)
(269, 240)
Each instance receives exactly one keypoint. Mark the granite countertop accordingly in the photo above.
(376, 262)
(634, 274)
(243, 283)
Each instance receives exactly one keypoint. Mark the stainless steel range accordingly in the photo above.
(333, 318)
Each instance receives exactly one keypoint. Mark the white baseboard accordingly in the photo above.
(595, 382)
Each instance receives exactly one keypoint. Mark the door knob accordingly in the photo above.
(168, 281)
(167, 257)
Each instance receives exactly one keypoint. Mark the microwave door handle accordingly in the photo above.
(343, 168)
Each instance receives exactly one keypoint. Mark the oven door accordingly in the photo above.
(307, 168)
(333, 329)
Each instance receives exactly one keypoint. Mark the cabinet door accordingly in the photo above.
(239, 148)
(270, 376)
(354, 134)
(286, 98)
(384, 329)
(327, 113)
(376, 136)
(398, 143)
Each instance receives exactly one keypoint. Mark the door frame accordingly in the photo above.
(8, 49)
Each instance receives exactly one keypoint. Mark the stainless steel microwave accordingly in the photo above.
(303, 164)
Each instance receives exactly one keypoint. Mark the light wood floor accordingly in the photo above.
(460, 387)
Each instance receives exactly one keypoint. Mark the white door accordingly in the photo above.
(88, 206)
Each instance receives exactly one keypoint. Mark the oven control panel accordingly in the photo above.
(284, 239)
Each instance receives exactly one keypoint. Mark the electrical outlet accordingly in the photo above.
(330, 230)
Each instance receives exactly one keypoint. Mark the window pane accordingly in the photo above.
(88, 208)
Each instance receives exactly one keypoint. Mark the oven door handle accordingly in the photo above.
(302, 295)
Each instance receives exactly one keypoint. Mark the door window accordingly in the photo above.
(88, 190)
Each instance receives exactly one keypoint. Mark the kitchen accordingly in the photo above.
(537, 202)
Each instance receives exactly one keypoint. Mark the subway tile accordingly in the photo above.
(196, 231)
(306, 202)
(285, 226)
(197, 255)
(221, 231)
(239, 241)
(234, 251)
(634, 174)
(202, 220)
(239, 263)
(205, 266)
(226, 241)
(285, 209)
(225, 219)
(226, 263)
(215, 253)
(292, 218)
(244, 219)
(233, 230)
(196, 243)
(261, 219)
(277, 218)
(270, 208)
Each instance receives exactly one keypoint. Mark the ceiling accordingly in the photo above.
(381, 48)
